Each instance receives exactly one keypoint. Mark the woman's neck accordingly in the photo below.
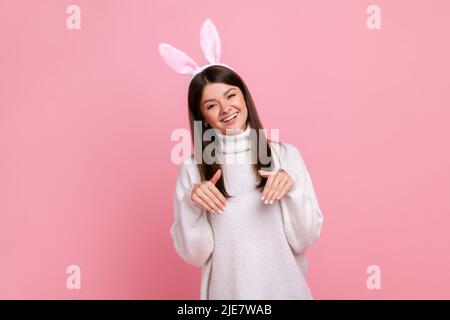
(233, 143)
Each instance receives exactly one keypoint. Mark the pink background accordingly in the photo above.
(86, 116)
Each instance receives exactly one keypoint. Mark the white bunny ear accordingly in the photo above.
(177, 59)
(210, 42)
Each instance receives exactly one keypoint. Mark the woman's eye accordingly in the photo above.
(231, 95)
(212, 105)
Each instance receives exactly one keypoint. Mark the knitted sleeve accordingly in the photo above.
(191, 231)
(302, 216)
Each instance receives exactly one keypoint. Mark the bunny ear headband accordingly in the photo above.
(181, 63)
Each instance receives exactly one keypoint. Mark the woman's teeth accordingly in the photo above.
(230, 117)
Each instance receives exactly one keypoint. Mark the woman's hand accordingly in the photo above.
(278, 184)
(208, 196)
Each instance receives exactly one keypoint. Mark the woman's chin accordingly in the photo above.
(233, 129)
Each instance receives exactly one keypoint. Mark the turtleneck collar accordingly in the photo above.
(233, 143)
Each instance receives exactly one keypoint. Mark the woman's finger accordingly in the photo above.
(267, 187)
(214, 198)
(284, 190)
(206, 199)
(202, 203)
(217, 193)
(273, 189)
(277, 193)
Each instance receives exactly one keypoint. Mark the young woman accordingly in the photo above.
(246, 226)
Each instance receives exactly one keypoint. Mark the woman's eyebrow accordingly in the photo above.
(222, 96)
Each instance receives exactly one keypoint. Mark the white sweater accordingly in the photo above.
(252, 250)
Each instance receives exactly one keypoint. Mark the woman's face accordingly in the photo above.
(221, 102)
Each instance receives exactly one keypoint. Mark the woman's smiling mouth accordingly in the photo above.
(230, 119)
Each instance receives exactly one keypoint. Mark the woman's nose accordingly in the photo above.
(224, 105)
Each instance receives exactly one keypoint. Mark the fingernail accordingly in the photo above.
(265, 202)
(262, 198)
(271, 201)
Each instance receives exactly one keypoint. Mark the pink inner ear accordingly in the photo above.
(177, 60)
(210, 42)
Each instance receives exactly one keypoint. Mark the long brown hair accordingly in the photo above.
(220, 74)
